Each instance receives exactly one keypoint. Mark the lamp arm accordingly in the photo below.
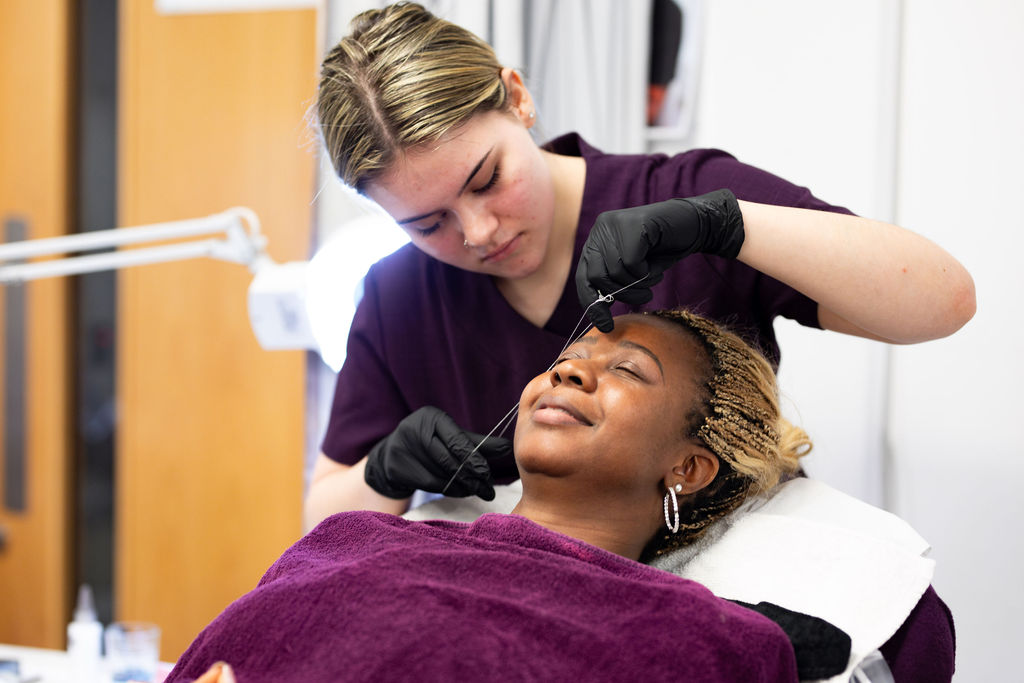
(277, 309)
(238, 245)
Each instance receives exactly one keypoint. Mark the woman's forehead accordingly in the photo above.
(667, 339)
(427, 176)
(637, 324)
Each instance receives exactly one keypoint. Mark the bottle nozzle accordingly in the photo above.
(85, 610)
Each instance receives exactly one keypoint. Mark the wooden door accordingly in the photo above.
(209, 460)
(34, 329)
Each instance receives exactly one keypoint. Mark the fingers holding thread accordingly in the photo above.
(503, 421)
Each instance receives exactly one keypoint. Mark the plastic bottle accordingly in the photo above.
(85, 638)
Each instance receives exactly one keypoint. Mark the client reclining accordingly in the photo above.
(631, 445)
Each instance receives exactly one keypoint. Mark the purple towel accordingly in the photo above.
(372, 597)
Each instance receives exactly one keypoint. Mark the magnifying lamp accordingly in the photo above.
(294, 305)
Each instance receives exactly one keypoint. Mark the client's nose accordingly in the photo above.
(575, 373)
(575, 379)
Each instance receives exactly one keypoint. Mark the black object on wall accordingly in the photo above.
(13, 444)
(95, 302)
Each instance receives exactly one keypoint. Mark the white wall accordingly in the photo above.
(956, 405)
(805, 89)
(795, 87)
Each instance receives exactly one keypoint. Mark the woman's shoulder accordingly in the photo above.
(406, 277)
(634, 179)
(573, 144)
(405, 264)
(616, 180)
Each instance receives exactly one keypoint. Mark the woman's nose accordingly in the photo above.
(479, 226)
(575, 374)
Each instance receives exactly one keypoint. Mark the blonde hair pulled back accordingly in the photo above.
(736, 416)
(401, 78)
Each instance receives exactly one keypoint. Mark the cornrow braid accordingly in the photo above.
(736, 416)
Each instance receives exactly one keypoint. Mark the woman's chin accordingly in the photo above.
(533, 464)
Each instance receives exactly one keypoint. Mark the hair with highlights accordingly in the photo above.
(401, 78)
(736, 416)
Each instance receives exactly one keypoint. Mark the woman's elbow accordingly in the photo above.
(942, 307)
(962, 303)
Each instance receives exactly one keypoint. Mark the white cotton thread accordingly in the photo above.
(573, 337)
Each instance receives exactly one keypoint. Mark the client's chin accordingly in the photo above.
(541, 463)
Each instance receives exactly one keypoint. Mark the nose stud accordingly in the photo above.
(465, 244)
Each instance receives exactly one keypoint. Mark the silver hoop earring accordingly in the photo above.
(673, 525)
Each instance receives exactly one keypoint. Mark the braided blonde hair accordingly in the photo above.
(736, 416)
(402, 77)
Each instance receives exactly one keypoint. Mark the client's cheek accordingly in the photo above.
(531, 394)
(532, 391)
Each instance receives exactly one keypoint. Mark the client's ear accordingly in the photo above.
(697, 470)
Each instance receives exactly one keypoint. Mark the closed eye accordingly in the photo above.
(490, 183)
(431, 229)
(630, 370)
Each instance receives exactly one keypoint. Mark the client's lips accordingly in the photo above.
(554, 410)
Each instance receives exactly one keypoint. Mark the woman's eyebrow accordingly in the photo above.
(469, 179)
(629, 345)
(644, 349)
(475, 169)
(416, 218)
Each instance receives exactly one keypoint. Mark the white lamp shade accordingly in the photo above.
(334, 279)
(277, 306)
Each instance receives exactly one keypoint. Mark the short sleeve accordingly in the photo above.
(714, 169)
(367, 403)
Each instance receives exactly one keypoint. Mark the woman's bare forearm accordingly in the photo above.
(869, 278)
(337, 488)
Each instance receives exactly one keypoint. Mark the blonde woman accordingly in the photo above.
(511, 242)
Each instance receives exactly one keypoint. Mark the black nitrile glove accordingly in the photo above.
(628, 244)
(425, 450)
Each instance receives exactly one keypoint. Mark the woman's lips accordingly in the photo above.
(556, 412)
(503, 251)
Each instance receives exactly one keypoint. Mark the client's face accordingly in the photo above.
(612, 410)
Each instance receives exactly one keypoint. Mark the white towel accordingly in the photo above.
(468, 509)
(815, 550)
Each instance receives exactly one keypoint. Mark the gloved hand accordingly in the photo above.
(425, 450)
(628, 244)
